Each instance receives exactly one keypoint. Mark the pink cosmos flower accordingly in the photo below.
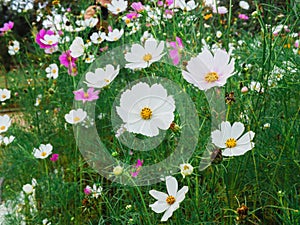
(46, 38)
(6, 27)
(169, 2)
(54, 157)
(132, 15)
(87, 190)
(175, 52)
(67, 60)
(160, 3)
(243, 17)
(137, 167)
(90, 95)
(137, 6)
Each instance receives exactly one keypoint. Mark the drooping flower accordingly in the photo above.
(75, 116)
(117, 6)
(77, 47)
(137, 168)
(5, 123)
(145, 110)
(46, 38)
(143, 56)
(52, 71)
(228, 138)
(168, 203)
(102, 77)
(4, 94)
(114, 35)
(175, 52)
(54, 157)
(186, 169)
(206, 70)
(90, 95)
(43, 151)
(67, 60)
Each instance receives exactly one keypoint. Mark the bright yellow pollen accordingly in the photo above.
(76, 119)
(185, 167)
(43, 154)
(54, 71)
(127, 21)
(85, 95)
(50, 42)
(3, 96)
(2, 128)
(146, 113)
(170, 199)
(147, 57)
(230, 143)
(211, 77)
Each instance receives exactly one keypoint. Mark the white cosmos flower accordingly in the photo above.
(256, 86)
(77, 47)
(143, 56)
(96, 192)
(145, 110)
(206, 70)
(5, 123)
(43, 151)
(28, 188)
(14, 48)
(52, 71)
(4, 94)
(102, 76)
(6, 140)
(117, 6)
(244, 5)
(98, 37)
(115, 35)
(228, 138)
(75, 116)
(186, 6)
(186, 169)
(168, 203)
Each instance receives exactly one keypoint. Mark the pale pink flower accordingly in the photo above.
(90, 95)
(175, 52)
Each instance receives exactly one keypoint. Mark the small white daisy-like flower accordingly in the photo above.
(5, 123)
(28, 188)
(206, 70)
(117, 6)
(6, 140)
(114, 35)
(96, 192)
(98, 37)
(145, 110)
(77, 47)
(75, 116)
(143, 56)
(186, 169)
(102, 77)
(43, 151)
(256, 86)
(146, 36)
(168, 203)
(46, 222)
(89, 58)
(187, 6)
(14, 48)
(244, 5)
(219, 34)
(228, 138)
(52, 71)
(4, 94)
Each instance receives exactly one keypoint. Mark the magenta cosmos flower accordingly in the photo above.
(243, 17)
(54, 157)
(137, 6)
(67, 60)
(137, 167)
(90, 95)
(175, 52)
(46, 38)
(6, 27)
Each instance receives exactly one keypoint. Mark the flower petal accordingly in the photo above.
(159, 206)
(172, 185)
(158, 195)
(236, 130)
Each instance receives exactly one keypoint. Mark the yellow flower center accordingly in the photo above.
(211, 77)
(230, 143)
(185, 167)
(147, 57)
(170, 199)
(2, 127)
(3, 96)
(76, 119)
(146, 113)
(50, 42)
(118, 9)
(106, 80)
(85, 95)
(43, 154)
(54, 71)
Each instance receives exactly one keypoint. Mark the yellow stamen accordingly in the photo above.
(185, 167)
(43, 154)
(2, 128)
(76, 119)
(147, 57)
(146, 113)
(230, 143)
(3, 96)
(211, 77)
(170, 199)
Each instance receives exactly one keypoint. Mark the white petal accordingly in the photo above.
(236, 130)
(246, 138)
(159, 206)
(158, 195)
(181, 194)
(172, 185)
(217, 139)
(170, 211)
